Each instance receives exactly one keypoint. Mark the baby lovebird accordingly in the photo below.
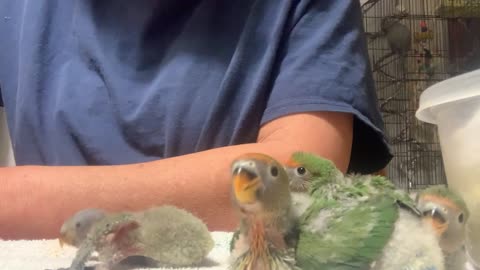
(447, 213)
(266, 237)
(350, 222)
(171, 236)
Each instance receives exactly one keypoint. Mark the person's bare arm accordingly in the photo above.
(34, 200)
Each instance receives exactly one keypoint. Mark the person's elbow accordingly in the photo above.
(328, 134)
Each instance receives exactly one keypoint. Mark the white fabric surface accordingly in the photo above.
(47, 254)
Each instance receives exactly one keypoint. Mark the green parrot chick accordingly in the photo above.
(352, 222)
(265, 238)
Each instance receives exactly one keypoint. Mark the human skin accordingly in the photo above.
(37, 199)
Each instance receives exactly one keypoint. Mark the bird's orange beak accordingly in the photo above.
(245, 185)
(61, 242)
(65, 239)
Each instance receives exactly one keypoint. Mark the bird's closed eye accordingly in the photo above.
(460, 218)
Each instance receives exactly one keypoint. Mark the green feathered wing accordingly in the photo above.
(352, 239)
(376, 184)
(351, 219)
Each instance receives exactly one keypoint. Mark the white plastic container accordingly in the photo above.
(454, 106)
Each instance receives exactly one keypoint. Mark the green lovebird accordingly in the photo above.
(171, 236)
(351, 222)
(265, 239)
(447, 213)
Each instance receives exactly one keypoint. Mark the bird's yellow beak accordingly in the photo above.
(245, 185)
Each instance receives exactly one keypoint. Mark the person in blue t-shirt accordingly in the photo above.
(125, 104)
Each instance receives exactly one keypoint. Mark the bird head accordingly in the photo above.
(260, 183)
(307, 170)
(75, 229)
(447, 213)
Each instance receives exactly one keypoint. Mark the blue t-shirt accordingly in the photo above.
(121, 81)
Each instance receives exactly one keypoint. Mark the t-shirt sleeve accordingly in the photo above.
(323, 66)
(1, 99)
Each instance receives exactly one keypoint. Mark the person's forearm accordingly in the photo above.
(47, 195)
(37, 199)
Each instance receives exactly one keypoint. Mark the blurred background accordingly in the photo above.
(432, 40)
(413, 44)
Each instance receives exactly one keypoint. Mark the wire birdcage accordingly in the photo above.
(444, 41)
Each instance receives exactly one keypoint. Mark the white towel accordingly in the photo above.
(47, 254)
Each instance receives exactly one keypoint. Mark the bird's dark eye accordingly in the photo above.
(460, 218)
(301, 170)
(274, 171)
(77, 225)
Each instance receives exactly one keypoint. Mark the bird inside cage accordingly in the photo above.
(399, 39)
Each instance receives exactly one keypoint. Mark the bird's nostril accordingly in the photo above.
(250, 175)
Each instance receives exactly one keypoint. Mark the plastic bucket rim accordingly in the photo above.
(428, 100)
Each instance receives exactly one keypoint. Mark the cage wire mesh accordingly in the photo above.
(443, 40)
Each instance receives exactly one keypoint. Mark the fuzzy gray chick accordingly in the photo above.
(171, 236)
